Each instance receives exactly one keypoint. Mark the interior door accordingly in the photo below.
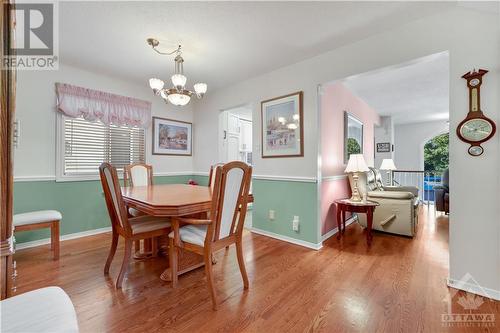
(233, 147)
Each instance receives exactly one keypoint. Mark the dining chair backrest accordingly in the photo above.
(211, 175)
(229, 200)
(114, 200)
(138, 174)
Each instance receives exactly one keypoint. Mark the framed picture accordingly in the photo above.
(384, 147)
(353, 136)
(172, 137)
(282, 126)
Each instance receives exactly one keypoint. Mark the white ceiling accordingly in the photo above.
(410, 93)
(223, 42)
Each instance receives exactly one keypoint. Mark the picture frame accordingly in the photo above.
(172, 137)
(384, 147)
(282, 129)
(353, 136)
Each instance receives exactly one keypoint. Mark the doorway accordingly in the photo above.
(236, 140)
(235, 133)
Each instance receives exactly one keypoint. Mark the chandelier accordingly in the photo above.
(178, 94)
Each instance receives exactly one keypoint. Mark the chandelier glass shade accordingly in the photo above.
(178, 95)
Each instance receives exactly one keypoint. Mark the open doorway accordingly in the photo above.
(236, 141)
(235, 133)
(398, 109)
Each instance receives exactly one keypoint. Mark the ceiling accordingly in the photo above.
(223, 42)
(410, 93)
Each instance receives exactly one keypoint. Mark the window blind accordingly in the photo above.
(88, 144)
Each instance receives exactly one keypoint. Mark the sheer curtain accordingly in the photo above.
(94, 105)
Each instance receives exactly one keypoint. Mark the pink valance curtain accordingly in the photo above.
(94, 105)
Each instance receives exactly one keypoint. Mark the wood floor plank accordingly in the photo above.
(397, 285)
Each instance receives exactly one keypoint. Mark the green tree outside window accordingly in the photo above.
(436, 154)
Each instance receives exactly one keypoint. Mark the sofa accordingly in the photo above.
(442, 194)
(399, 205)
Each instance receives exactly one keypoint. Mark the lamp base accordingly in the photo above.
(355, 193)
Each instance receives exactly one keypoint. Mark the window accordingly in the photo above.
(85, 145)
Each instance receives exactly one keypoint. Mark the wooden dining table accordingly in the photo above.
(172, 200)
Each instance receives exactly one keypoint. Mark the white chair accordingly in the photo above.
(39, 220)
(223, 228)
(46, 310)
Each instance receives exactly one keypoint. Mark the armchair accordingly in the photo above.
(442, 194)
(398, 210)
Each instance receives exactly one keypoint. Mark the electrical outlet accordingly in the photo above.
(295, 223)
(271, 215)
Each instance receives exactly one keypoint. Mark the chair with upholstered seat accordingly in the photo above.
(131, 229)
(137, 174)
(140, 174)
(211, 175)
(223, 228)
(39, 220)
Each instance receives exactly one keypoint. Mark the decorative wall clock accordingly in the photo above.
(476, 128)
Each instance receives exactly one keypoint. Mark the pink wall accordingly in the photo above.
(335, 100)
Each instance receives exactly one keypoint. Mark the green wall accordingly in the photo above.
(286, 198)
(83, 208)
(80, 202)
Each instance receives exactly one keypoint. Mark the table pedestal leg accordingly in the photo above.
(187, 261)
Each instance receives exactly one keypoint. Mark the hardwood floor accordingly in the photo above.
(399, 285)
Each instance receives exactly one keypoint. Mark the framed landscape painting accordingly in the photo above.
(172, 137)
(353, 136)
(282, 129)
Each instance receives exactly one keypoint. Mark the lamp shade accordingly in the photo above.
(156, 84)
(200, 88)
(356, 164)
(387, 164)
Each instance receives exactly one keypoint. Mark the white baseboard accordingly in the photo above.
(335, 230)
(473, 288)
(75, 235)
(295, 241)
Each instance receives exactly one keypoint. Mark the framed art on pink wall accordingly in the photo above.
(282, 126)
(353, 136)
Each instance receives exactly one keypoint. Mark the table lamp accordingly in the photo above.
(356, 165)
(388, 164)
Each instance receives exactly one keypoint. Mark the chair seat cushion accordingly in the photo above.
(42, 310)
(134, 212)
(36, 217)
(193, 234)
(148, 223)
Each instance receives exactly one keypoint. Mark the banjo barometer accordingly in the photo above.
(476, 128)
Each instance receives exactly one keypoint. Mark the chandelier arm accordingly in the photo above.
(177, 50)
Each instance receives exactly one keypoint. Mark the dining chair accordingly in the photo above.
(140, 174)
(211, 175)
(131, 229)
(224, 226)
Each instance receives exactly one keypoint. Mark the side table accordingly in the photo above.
(366, 207)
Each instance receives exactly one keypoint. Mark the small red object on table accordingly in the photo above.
(346, 205)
